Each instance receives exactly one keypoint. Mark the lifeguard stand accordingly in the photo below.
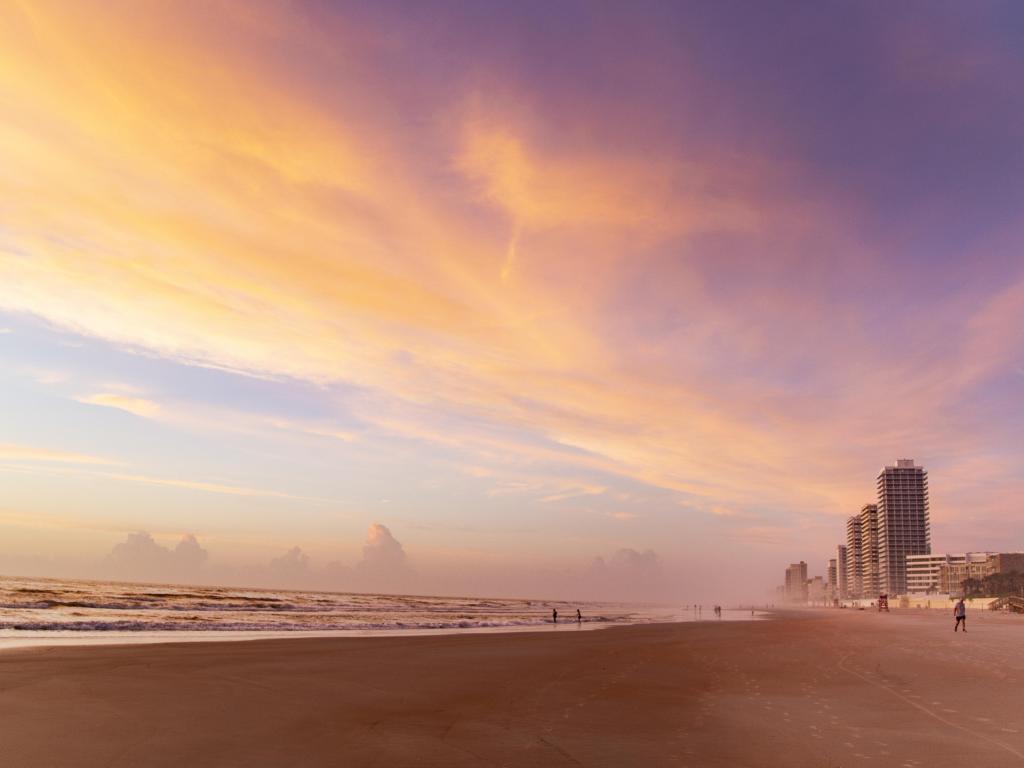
(883, 603)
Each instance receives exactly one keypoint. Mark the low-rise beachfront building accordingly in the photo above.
(923, 572)
(977, 565)
(1008, 562)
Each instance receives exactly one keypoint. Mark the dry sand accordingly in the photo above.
(834, 688)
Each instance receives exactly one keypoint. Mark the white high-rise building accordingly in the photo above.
(869, 551)
(854, 566)
(842, 582)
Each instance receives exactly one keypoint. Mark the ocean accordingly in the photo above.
(36, 611)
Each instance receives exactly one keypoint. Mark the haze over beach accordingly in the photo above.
(360, 319)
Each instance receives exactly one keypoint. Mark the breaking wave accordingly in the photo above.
(46, 607)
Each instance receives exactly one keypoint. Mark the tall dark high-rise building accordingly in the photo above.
(903, 524)
(854, 566)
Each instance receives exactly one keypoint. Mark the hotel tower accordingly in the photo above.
(903, 526)
(854, 564)
(871, 580)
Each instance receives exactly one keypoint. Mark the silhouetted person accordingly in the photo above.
(579, 616)
(554, 615)
(960, 614)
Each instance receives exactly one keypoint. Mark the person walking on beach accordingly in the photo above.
(554, 615)
(960, 614)
(579, 616)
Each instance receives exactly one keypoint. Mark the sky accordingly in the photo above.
(583, 299)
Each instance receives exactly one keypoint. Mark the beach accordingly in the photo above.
(825, 688)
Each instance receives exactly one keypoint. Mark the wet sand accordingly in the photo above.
(834, 688)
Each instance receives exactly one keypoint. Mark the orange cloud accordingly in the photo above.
(652, 197)
(252, 271)
(26, 453)
(173, 192)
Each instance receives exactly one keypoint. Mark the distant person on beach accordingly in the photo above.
(579, 616)
(554, 615)
(960, 614)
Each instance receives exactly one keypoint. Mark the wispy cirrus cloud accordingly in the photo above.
(201, 417)
(33, 454)
(45, 376)
(137, 406)
(208, 487)
(42, 461)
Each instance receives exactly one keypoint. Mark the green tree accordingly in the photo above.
(995, 585)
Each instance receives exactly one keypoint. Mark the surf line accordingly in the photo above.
(898, 695)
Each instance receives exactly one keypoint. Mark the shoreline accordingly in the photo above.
(176, 637)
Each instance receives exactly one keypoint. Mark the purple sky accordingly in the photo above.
(526, 284)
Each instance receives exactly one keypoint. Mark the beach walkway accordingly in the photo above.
(830, 688)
